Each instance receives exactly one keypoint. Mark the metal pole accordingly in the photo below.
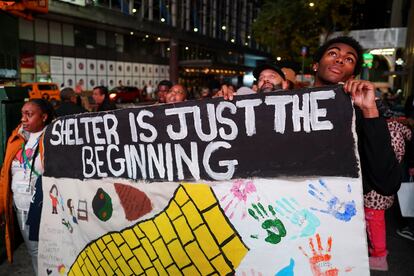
(303, 51)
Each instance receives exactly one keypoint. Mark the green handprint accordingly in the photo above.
(274, 227)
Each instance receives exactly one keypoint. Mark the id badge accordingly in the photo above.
(23, 189)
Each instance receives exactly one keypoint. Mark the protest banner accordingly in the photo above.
(267, 183)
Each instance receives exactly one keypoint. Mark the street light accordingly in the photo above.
(134, 10)
(311, 4)
(278, 58)
(195, 29)
(223, 28)
(162, 19)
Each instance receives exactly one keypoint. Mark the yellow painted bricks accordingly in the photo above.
(192, 236)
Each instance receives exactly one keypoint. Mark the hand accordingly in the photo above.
(320, 260)
(339, 209)
(227, 92)
(304, 220)
(235, 200)
(363, 95)
(274, 227)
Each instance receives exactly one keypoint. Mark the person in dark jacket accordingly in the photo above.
(68, 105)
(101, 97)
(340, 60)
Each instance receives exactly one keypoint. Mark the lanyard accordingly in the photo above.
(26, 159)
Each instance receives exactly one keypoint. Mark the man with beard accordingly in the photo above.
(269, 78)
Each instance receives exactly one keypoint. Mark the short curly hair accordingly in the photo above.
(350, 41)
(166, 83)
(46, 108)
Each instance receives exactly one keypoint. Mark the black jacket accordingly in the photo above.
(380, 169)
(69, 108)
(106, 105)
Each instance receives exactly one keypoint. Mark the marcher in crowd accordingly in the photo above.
(340, 60)
(205, 93)
(176, 94)
(269, 78)
(22, 167)
(79, 87)
(163, 87)
(68, 105)
(409, 106)
(101, 98)
(406, 224)
(402, 142)
(254, 86)
(78, 90)
(290, 77)
(149, 90)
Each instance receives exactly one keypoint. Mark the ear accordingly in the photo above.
(285, 85)
(315, 67)
(44, 117)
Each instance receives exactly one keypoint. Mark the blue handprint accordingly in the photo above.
(288, 270)
(337, 208)
(305, 220)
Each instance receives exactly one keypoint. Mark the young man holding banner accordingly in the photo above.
(339, 60)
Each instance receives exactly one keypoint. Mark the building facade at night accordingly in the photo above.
(137, 42)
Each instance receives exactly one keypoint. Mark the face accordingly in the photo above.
(336, 65)
(218, 94)
(33, 119)
(162, 93)
(205, 92)
(97, 96)
(269, 81)
(176, 94)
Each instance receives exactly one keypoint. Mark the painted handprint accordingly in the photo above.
(250, 272)
(320, 260)
(287, 270)
(274, 227)
(237, 195)
(342, 210)
(304, 220)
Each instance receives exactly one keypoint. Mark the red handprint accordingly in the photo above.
(320, 260)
